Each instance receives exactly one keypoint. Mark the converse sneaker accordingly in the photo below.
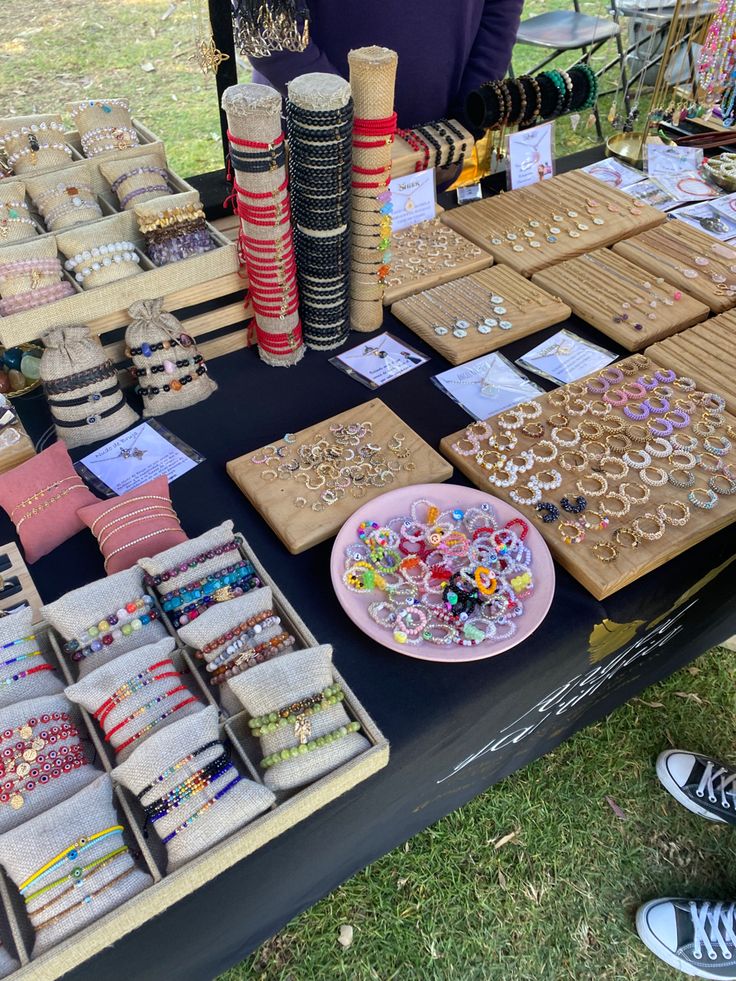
(700, 784)
(695, 936)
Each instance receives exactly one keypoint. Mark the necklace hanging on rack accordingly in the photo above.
(206, 53)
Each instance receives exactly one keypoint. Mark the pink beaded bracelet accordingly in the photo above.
(35, 298)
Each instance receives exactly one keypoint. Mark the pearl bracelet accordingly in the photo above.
(116, 137)
(104, 255)
(34, 128)
(30, 150)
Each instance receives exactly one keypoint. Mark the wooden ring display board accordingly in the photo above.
(675, 249)
(512, 212)
(708, 349)
(427, 254)
(597, 285)
(601, 579)
(301, 528)
(526, 306)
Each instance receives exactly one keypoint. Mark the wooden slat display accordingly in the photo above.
(676, 251)
(28, 594)
(512, 212)
(300, 529)
(597, 285)
(527, 307)
(708, 350)
(601, 579)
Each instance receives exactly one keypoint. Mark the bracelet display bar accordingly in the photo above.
(19, 588)
(299, 528)
(709, 350)
(524, 305)
(624, 301)
(564, 216)
(600, 578)
(690, 259)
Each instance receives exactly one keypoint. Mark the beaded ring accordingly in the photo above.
(627, 537)
(598, 491)
(674, 520)
(615, 496)
(656, 520)
(572, 534)
(702, 497)
(605, 551)
(722, 484)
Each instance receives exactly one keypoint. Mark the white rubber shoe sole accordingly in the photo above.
(682, 798)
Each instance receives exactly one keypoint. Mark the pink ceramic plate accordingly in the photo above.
(450, 496)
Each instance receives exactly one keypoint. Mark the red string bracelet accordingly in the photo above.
(256, 146)
(138, 735)
(370, 170)
(375, 127)
(265, 194)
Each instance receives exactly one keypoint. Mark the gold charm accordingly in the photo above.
(25, 732)
(209, 57)
(16, 802)
(302, 729)
(29, 755)
(23, 769)
(38, 743)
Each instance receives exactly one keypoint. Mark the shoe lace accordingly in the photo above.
(720, 780)
(713, 923)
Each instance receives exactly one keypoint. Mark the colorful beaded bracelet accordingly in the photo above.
(246, 637)
(169, 771)
(264, 724)
(142, 709)
(178, 570)
(154, 722)
(202, 810)
(205, 587)
(247, 628)
(142, 680)
(252, 656)
(87, 899)
(76, 874)
(193, 785)
(112, 627)
(318, 743)
(71, 852)
(185, 614)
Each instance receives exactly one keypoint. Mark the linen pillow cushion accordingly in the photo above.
(25, 669)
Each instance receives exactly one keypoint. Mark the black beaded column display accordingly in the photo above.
(319, 122)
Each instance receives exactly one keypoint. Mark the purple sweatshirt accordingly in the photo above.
(446, 48)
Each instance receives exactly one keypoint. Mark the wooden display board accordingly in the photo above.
(300, 529)
(598, 284)
(445, 255)
(14, 573)
(601, 579)
(19, 452)
(527, 307)
(511, 213)
(674, 250)
(709, 350)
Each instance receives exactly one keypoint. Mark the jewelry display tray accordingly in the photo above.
(598, 301)
(300, 529)
(602, 579)
(168, 888)
(494, 217)
(527, 317)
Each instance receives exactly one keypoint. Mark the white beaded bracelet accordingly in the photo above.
(92, 260)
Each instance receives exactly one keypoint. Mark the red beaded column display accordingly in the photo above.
(260, 192)
(372, 80)
(319, 124)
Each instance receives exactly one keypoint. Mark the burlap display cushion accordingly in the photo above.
(157, 707)
(116, 170)
(39, 248)
(182, 554)
(112, 115)
(47, 157)
(98, 235)
(13, 207)
(149, 326)
(240, 805)
(18, 640)
(81, 608)
(8, 963)
(29, 847)
(61, 187)
(33, 780)
(67, 352)
(275, 684)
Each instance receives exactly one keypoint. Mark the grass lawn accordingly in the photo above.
(537, 879)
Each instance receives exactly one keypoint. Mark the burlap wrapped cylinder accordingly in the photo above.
(42, 762)
(62, 199)
(43, 247)
(111, 118)
(155, 702)
(151, 325)
(270, 687)
(69, 351)
(18, 646)
(29, 847)
(47, 130)
(372, 80)
(16, 223)
(254, 115)
(129, 177)
(238, 807)
(182, 554)
(81, 608)
(101, 235)
(8, 963)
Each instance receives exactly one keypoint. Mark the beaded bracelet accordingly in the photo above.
(76, 875)
(139, 681)
(251, 656)
(193, 785)
(169, 771)
(154, 722)
(318, 743)
(142, 709)
(87, 899)
(296, 713)
(175, 385)
(10, 679)
(35, 298)
(138, 191)
(204, 587)
(247, 630)
(120, 619)
(237, 588)
(71, 852)
(203, 809)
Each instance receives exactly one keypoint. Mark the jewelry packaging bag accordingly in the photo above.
(136, 179)
(273, 686)
(183, 556)
(98, 254)
(157, 365)
(90, 606)
(16, 224)
(46, 758)
(65, 197)
(79, 823)
(34, 143)
(19, 647)
(104, 126)
(173, 754)
(135, 695)
(174, 227)
(82, 388)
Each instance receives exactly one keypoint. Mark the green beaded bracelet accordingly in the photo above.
(330, 737)
(272, 721)
(593, 83)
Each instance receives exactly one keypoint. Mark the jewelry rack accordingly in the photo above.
(628, 304)
(711, 347)
(551, 221)
(306, 500)
(689, 258)
(475, 314)
(605, 556)
(17, 587)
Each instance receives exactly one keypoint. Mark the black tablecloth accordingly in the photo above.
(454, 729)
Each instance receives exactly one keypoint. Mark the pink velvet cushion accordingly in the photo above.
(136, 525)
(42, 497)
